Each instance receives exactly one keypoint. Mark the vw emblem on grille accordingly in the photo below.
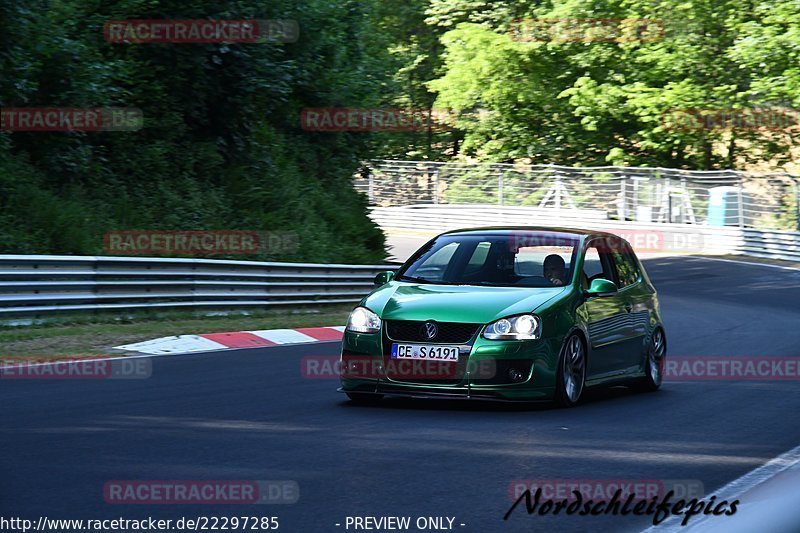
(430, 330)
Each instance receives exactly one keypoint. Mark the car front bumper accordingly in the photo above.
(484, 370)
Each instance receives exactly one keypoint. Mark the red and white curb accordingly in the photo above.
(210, 342)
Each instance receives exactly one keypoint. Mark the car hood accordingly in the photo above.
(456, 303)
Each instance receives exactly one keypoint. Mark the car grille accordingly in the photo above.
(448, 332)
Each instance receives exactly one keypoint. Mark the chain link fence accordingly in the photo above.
(768, 201)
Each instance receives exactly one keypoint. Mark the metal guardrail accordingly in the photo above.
(41, 285)
(34, 286)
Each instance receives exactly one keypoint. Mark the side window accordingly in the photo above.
(597, 263)
(625, 263)
(591, 263)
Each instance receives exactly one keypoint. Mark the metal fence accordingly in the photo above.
(672, 239)
(36, 285)
(767, 201)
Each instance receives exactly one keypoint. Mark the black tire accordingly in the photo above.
(571, 373)
(655, 358)
(364, 398)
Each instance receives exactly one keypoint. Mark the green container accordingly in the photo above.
(723, 206)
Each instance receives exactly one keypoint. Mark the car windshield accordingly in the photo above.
(520, 259)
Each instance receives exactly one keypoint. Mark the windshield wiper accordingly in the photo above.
(424, 280)
(474, 283)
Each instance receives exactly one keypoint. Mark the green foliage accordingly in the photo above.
(222, 146)
(588, 101)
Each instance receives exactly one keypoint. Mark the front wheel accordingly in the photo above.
(571, 374)
(654, 364)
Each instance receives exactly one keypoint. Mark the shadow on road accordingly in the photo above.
(591, 396)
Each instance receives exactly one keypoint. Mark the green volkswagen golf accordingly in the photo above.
(514, 314)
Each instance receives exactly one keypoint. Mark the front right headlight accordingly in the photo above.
(362, 320)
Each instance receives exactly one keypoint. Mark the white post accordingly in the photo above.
(370, 186)
(436, 186)
(623, 211)
(741, 202)
(558, 191)
(500, 188)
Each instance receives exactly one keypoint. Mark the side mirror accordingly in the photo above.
(602, 287)
(383, 278)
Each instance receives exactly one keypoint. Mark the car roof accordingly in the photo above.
(504, 230)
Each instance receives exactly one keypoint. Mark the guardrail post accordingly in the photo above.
(797, 201)
(95, 277)
(436, 185)
(370, 185)
(500, 177)
(741, 201)
(669, 206)
(684, 200)
(558, 190)
(796, 183)
(623, 199)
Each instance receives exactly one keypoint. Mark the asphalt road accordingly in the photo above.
(251, 415)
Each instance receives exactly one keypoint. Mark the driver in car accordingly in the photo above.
(555, 269)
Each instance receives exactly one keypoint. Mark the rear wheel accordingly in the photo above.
(571, 374)
(654, 364)
(364, 398)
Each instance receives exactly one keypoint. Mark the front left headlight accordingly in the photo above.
(362, 320)
(515, 328)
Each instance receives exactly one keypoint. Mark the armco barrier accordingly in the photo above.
(41, 285)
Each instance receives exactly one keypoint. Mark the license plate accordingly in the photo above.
(425, 352)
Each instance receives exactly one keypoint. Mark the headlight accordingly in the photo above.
(362, 320)
(522, 327)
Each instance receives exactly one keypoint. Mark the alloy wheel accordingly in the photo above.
(656, 355)
(574, 369)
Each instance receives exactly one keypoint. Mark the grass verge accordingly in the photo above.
(97, 335)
